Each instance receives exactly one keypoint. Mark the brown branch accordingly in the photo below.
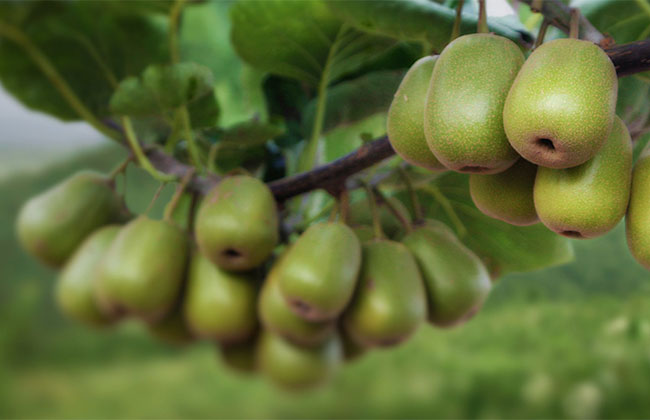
(559, 15)
(627, 58)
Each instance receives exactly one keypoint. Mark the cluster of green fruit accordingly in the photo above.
(292, 311)
(539, 136)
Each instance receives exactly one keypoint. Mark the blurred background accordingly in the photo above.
(570, 342)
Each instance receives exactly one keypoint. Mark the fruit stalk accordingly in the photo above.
(574, 31)
(482, 18)
(455, 32)
(169, 210)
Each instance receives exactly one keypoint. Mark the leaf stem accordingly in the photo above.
(154, 198)
(173, 203)
(189, 137)
(413, 196)
(143, 161)
(174, 18)
(574, 29)
(455, 32)
(461, 230)
(59, 83)
(482, 18)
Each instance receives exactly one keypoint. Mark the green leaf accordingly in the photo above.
(417, 20)
(89, 44)
(205, 111)
(162, 88)
(504, 247)
(243, 143)
(352, 101)
(300, 39)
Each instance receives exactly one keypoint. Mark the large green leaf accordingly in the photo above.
(416, 20)
(504, 247)
(88, 43)
(300, 39)
(352, 101)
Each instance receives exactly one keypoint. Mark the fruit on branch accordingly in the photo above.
(319, 272)
(275, 315)
(405, 124)
(508, 195)
(637, 221)
(390, 302)
(291, 366)
(237, 223)
(143, 269)
(360, 214)
(560, 108)
(53, 224)
(463, 111)
(220, 305)
(75, 290)
(240, 357)
(456, 281)
(588, 200)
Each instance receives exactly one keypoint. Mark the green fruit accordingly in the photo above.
(219, 304)
(294, 367)
(637, 221)
(237, 223)
(75, 287)
(508, 195)
(560, 108)
(351, 349)
(463, 112)
(172, 329)
(456, 280)
(588, 200)
(405, 124)
(240, 357)
(364, 233)
(276, 315)
(319, 272)
(143, 269)
(360, 214)
(390, 301)
(53, 224)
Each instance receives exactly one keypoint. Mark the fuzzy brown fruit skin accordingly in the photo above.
(560, 109)
(143, 269)
(220, 305)
(463, 112)
(637, 221)
(319, 272)
(237, 223)
(405, 122)
(75, 290)
(297, 368)
(456, 280)
(589, 200)
(390, 302)
(507, 196)
(53, 224)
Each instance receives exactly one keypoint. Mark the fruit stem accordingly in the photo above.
(394, 211)
(482, 18)
(461, 230)
(174, 135)
(542, 33)
(536, 6)
(143, 161)
(376, 223)
(173, 203)
(189, 137)
(344, 205)
(155, 197)
(334, 212)
(574, 31)
(59, 83)
(455, 32)
(413, 196)
(120, 168)
(174, 18)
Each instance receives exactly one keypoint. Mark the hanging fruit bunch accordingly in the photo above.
(293, 300)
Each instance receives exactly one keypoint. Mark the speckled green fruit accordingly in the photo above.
(143, 269)
(220, 305)
(237, 223)
(275, 315)
(637, 221)
(588, 200)
(508, 195)
(360, 214)
(405, 123)
(294, 367)
(53, 224)
(240, 357)
(456, 280)
(560, 108)
(390, 301)
(75, 291)
(319, 272)
(463, 113)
